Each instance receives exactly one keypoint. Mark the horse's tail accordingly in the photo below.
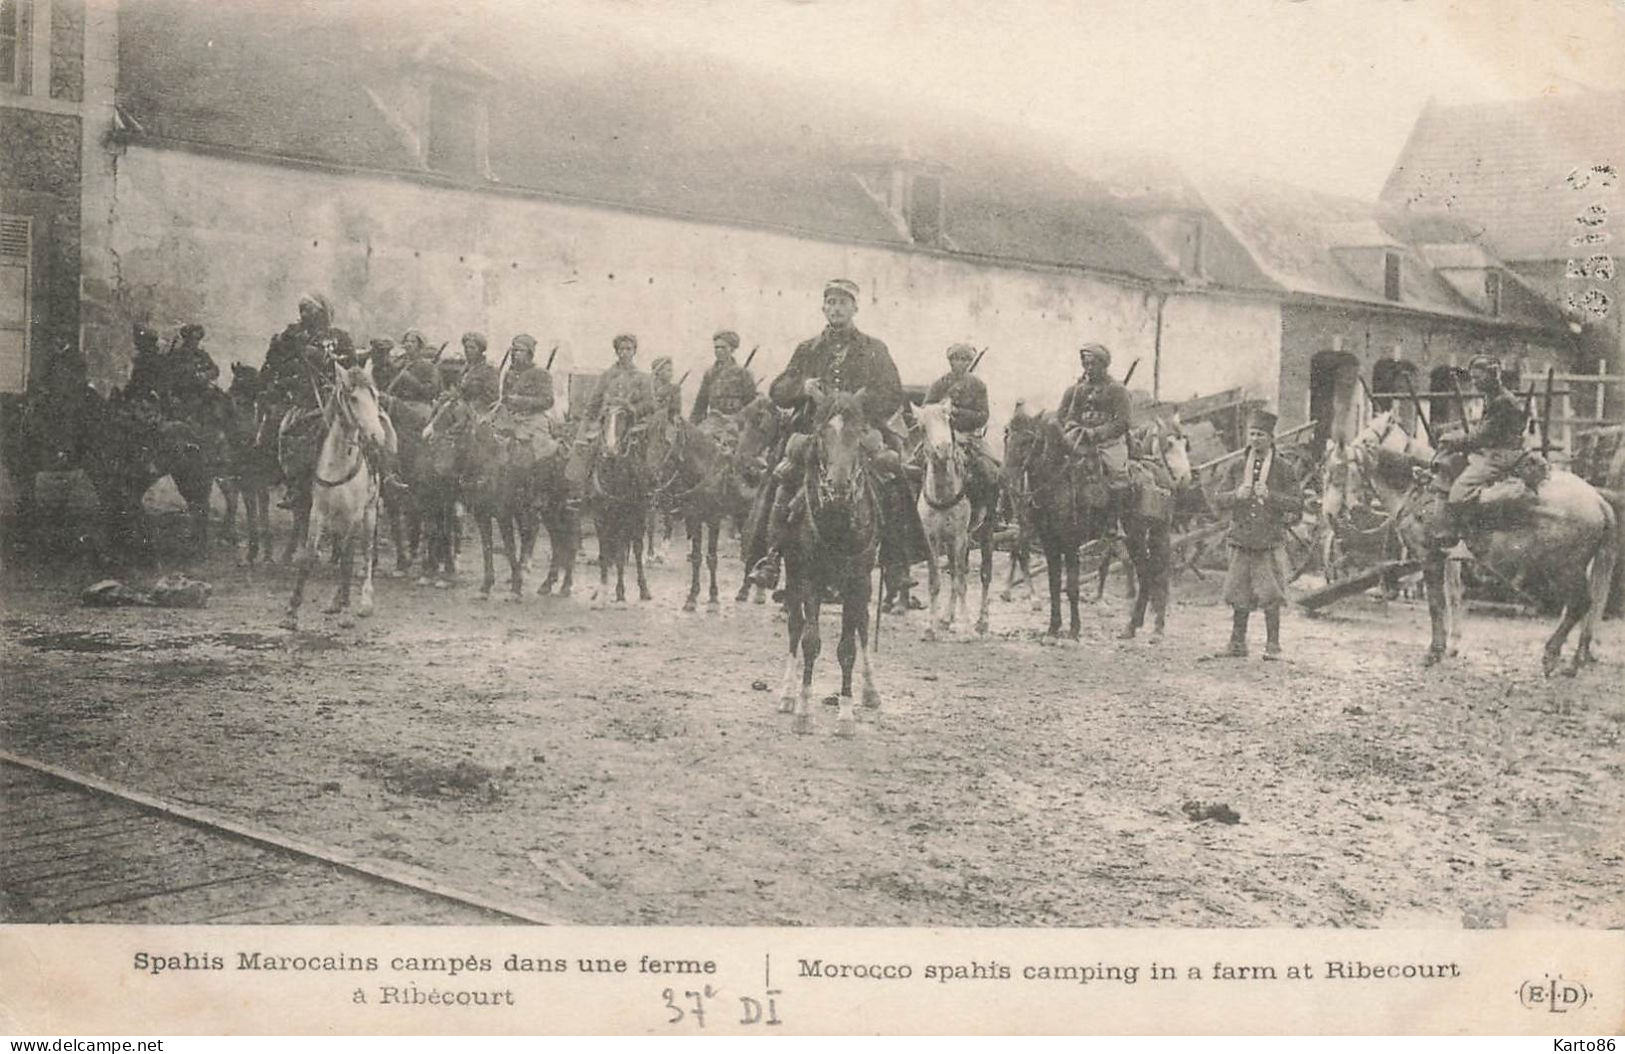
(1604, 578)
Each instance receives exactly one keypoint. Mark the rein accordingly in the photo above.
(943, 504)
(351, 427)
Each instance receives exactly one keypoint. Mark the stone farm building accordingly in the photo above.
(169, 161)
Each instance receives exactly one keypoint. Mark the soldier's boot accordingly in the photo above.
(1237, 648)
(766, 572)
(1272, 630)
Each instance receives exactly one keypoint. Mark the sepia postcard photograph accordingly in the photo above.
(1022, 469)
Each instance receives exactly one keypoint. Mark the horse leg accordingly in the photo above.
(395, 509)
(1599, 584)
(482, 522)
(696, 541)
(305, 561)
(1154, 580)
(961, 552)
(1455, 592)
(1074, 630)
(986, 542)
(713, 531)
(846, 653)
(369, 548)
(933, 578)
(1433, 575)
(1055, 566)
(811, 645)
(511, 532)
(228, 529)
(1135, 543)
(871, 694)
(794, 621)
(1576, 607)
(637, 557)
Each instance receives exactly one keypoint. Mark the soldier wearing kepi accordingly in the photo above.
(527, 395)
(1493, 446)
(843, 359)
(1096, 412)
(969, 397)
(1263, 498)
(725, 390)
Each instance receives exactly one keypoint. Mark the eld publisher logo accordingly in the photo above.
(1553, 994)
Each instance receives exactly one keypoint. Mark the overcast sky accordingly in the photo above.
(1317, 92)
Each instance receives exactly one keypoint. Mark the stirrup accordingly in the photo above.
(766, 572)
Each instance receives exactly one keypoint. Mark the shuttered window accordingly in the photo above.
(15, 238)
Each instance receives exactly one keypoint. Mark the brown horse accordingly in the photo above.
(705, 483)
(1065, 514)
(1162, 457)
(251, 468)
(492, 485)
(833, 547)
(762, 431)
(1562, 547)
(619, 492)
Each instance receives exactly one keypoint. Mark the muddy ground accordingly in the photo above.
(617, 766)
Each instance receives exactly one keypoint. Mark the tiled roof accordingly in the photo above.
(686, 136)
(1501, 168)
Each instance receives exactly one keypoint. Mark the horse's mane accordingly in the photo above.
(1392, 467)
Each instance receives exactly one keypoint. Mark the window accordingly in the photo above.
(925, 211)
(1492, 292)
(14, 306)
(1390, 275)
(14, 48)
(454, 115)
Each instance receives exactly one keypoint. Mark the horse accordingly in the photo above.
(952, 516)
(834, 545)
(492, 486)
(344, 497)
(695, 474)
(1039, 463)
(251, 468)
(619, 493)
(550, 497)
(1162, 456)
(762, 428)
(1565, 546)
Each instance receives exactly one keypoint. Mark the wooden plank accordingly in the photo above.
(1357, 584)
(390, 872)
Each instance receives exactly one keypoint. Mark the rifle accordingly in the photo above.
(683, 378)
(1546, 413)
(1129, 376)
(502, 374)
(393, 381)
(977, 361)
(1416, 401)
(550, 357)
(752, 355)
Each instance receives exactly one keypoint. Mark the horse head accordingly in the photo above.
(936, 422)
(1385, 431)
(838, 448)
(355, 404)
(615, 430)
(758, 432)
(1165, 441)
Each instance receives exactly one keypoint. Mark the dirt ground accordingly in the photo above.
(617, 766)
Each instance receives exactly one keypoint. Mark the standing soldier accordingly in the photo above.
(969, 397)
(842, 359)
(1493, 447)
(527, 395)
(668, 396)
(1263, 498)
(726, 388)
(1095, 413)
(623, 384)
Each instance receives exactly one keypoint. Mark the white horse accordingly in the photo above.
(345, 491)
(946, 513)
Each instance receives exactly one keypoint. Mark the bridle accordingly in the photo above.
(345, 413)
(949, 462)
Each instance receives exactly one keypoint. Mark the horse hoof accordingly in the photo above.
(289, 622)
(713, 602)
(871, 699)
(423, 580)
(441, 583)
(347, 622)
(1006, 596)
(365, 611)
(930, 633)
(981, 627)
(564, 592)
(1572, 669)
(803, 725)
(1074, 634)
(1127, 633)
(1433, 658)
(846, 727)
(787, 705)
(690, 605)
(644, 594)
(397, 573)
(761, 597)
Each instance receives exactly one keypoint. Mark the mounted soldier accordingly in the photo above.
(668, 396)
(1096, 413)
(1494, 448)
(527, 396)
(843, 360)
(298, 374)
(192, 376)
(725, 390)
(969, 397)
(414, 375)
(623, 384)
(149, 378)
